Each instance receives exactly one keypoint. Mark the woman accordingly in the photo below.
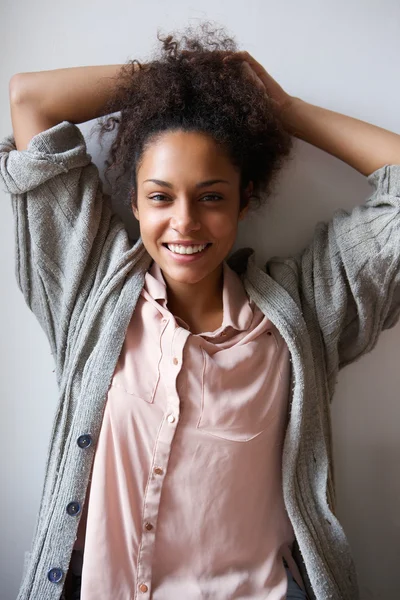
(191, 443)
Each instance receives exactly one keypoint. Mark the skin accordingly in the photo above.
(185, 212)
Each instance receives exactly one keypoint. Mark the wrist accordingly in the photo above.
(290, 112)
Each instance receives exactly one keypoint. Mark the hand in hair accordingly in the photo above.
(262, 79)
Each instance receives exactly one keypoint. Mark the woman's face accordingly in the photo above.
(187, 191)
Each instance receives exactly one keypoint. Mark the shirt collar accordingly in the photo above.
(237, 311)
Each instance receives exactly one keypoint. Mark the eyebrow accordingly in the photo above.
(198, 185)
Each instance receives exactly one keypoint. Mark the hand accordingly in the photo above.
(262, 79)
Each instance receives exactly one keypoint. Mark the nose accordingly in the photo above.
(185, 218)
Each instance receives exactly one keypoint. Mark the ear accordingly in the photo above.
(248, 191)
(134, 208)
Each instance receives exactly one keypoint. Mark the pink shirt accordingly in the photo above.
(186, 490)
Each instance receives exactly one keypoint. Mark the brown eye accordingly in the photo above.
(211, 197)
(158, 196)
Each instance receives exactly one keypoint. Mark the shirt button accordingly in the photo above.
(73, 508)
(170, 418)
(158, 471)
(143, 587)
(149, 526)
(55, 575)
(269, 333)
(175, 361)
(164, 320)
(84, 441)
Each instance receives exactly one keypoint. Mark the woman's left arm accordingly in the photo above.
(349, 274)
(361, 145)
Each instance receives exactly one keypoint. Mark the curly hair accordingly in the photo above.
(187, 86)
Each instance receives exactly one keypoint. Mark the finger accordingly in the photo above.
(229, 57)
(253, 75)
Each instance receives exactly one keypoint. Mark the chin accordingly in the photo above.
(186, 274)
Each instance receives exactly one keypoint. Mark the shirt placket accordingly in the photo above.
(173, 340)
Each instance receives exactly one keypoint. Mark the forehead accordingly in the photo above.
(182, 152)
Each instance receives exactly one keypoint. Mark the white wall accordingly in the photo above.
(339, 54)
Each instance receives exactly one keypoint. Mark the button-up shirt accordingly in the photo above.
(186, 491)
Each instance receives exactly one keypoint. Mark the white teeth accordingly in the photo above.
(185, 249)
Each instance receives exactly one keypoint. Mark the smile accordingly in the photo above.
(185, 254)
(178, 249)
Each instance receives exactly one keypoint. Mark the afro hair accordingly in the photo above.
(187, 85)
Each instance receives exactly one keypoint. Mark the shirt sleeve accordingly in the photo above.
(62, 221)
(350, 272)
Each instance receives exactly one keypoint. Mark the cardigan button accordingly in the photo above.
(84, 441)
(73, 508)
(55, 575)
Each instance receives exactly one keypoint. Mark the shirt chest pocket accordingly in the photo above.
(241, 389)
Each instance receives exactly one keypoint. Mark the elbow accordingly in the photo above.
(17, 88)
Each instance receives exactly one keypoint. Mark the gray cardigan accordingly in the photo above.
(81, 276)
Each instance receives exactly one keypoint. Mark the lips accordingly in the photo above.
(187, 250)
(184, 257)
(186, 243)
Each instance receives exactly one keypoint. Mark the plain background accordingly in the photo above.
(339, 54)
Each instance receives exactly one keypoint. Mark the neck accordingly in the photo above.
(199, 304)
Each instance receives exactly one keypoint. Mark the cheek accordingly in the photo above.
(151, 225)
(223, 226)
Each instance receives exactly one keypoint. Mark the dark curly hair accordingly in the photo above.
(189, 87)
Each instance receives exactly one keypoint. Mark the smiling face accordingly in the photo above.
(187, 191)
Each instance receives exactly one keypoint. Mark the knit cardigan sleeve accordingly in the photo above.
(62, 222)
(350, 273)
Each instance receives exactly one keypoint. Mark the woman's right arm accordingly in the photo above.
(68, 240)
(40, 100)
